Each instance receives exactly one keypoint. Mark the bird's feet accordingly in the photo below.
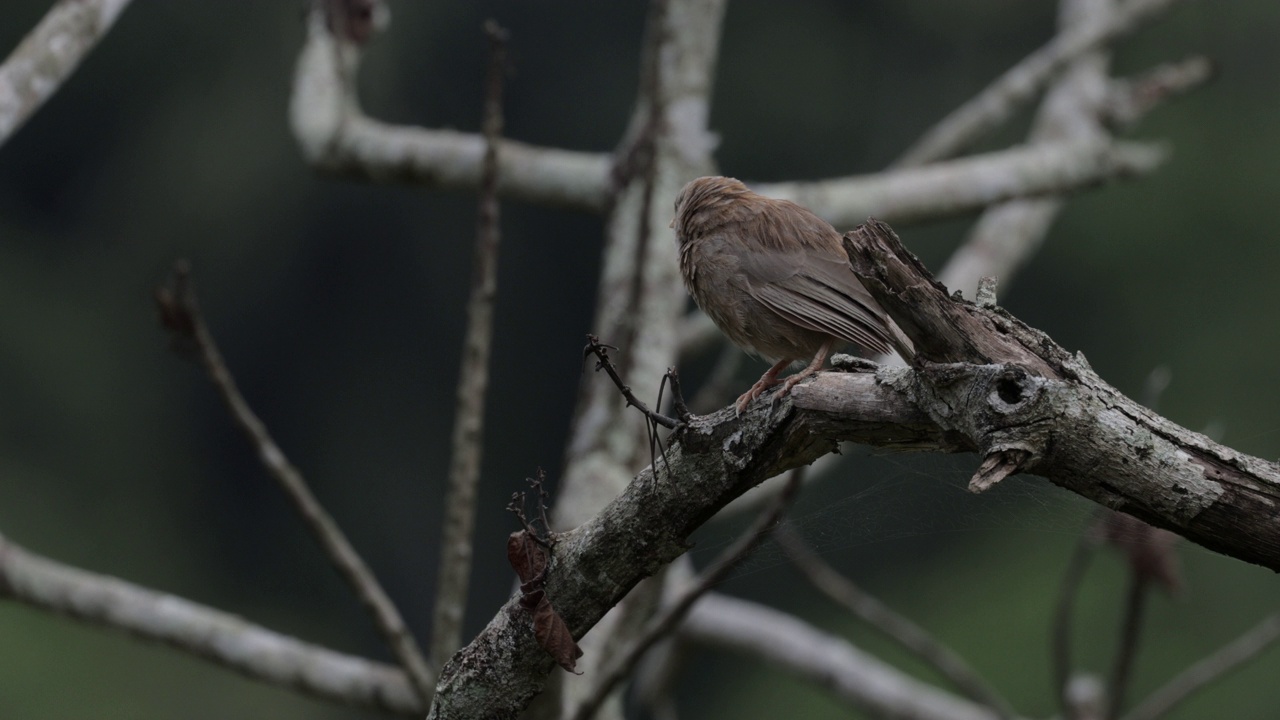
(762, 385)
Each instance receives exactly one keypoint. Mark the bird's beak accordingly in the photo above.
(672, 224)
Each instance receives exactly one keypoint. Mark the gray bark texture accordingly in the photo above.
(982, 382)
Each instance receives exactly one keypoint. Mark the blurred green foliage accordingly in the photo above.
(339, 306)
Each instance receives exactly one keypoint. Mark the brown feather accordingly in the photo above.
(773, 276)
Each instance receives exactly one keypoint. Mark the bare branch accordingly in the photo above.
(47, 56)
(336, 137)
(473, 380)
(1135, 605)
(956, 187)
(832, 663)
(1009, 234)
(983, 382)
(1212, 668)
(1019, 85)
(1064, 612)
(180, 312)
(1128, 101)
(640, 295)
(663, 624)
(216, 636)
(1203, 491)
(882, 618)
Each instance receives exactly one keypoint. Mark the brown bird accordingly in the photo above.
(775, 278)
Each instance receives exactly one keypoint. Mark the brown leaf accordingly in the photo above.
(553, 634)
(527, 557)
(355, 20)
(1149, 550)
(173, 316)
(529, 599)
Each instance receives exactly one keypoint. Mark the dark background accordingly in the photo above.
(339, 305)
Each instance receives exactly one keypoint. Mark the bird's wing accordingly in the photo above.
(820, 294)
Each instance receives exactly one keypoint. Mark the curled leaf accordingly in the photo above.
(553, 634)
(527, 557)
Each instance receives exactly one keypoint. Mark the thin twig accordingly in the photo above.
(1209, 669)
(473, 380)
(663, 624)
(879, 616)
(47, 56)
(1062, 616)
(997, 102)
(180, 312)
(601, 351)
(1128, 101)
(1127, 644)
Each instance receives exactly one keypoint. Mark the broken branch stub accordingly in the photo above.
(951, 336)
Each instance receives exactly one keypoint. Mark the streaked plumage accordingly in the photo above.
(774, 278)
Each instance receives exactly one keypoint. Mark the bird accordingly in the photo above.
(774, 277)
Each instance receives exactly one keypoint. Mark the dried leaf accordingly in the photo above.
(527, 557)
(1149, 550)
(356, 20)
(553, 634)
(529, 599)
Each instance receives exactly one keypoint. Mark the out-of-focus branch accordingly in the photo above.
(214, 635)
(1064, 613)
(1009, 234)
(1077, 108)
(640, 295)
(1214, 667)
(955, 187)
(337, 137)
(47, 56)
(1129, 100)
(884, 619)
(1020, 84)
(180, 313)
(799, 649)
(1135, 606)
(662, 625)
(473, 380)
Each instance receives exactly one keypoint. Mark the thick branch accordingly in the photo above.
(987, 383)
(217, 636)
(1029, 405)
(713, 460)
(665, 622)
(640, 295)
(47, 56)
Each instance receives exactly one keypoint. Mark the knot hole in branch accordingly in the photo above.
(1009, 390)
(1014, 387)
